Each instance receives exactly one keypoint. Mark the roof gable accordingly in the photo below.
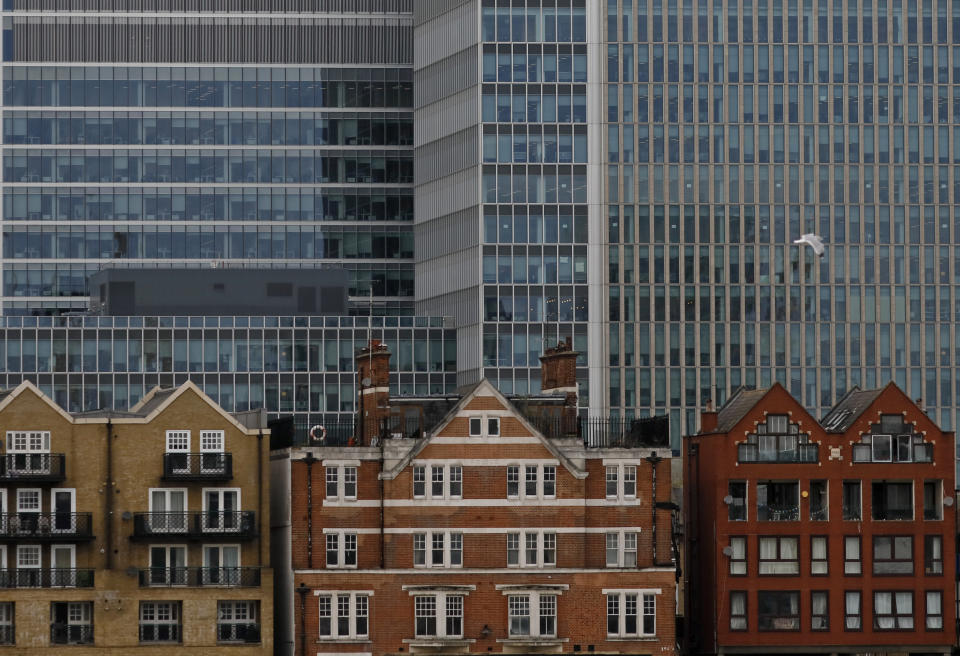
(9, 396)
(473, 400)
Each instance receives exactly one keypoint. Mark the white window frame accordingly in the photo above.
(63, 579)
(452, 557)
(22, 492)
(28, 444)
(617, 542)
(175, 609)
(643, 598)
(7, 622)
(623, 477)
(341, 538)
(72, 528)
(486, 420)
(169, 577)
(23, 549)
(173, 438)
(212, 441)
(207, 577)
(440, 615)
(332, 599)
(79, 613)
(341, 472)
(236, 613)
(450, 479)
(541, 538)
(521, 471)
(222, 525)
(532, 597)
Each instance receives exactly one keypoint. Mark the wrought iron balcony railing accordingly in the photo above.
(195, 525)
(71, 634)
(32, 467)
(192, 577)
(197, 466)
(238, 632)
(46, 578)
(46, 527)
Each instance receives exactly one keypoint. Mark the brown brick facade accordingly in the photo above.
(791, 570)
(388, 515)
(112, 462)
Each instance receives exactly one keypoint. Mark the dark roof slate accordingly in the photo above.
(849, 409)
(736, 408)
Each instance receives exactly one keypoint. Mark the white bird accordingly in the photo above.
(813, 241)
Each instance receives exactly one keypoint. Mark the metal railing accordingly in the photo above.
(804, 454)
(248, 632)
(196, 524)
(32, 467)
(47, 526)
(238, 577)
(595, 432)
(71, 634)
(778, 513)
(197, 466)
(46, 578)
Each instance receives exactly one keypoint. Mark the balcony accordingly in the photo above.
(46, 527)
(194, 577)
(196, 525)
(46, 578)
(32, 468)
(802, 453)
(197, 466)
(778, 513)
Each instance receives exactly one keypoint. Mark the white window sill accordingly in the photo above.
(643, 638)
(433, 641)
(533, 641)
(345, 641)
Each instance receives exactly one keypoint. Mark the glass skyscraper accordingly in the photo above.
(502, 167)
(273, 133)
(735, 127)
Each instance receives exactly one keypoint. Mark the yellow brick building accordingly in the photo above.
(123, 532)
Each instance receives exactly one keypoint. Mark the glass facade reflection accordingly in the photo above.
(300, 366)
(735, 127)
(308, 158)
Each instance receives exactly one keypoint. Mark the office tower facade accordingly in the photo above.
(502, 168)
(277, 133)
(735, 127)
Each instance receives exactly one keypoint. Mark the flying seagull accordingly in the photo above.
(813, 241)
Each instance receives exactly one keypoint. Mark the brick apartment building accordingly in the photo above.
(477, 524)
(822, 537)
(129, 531)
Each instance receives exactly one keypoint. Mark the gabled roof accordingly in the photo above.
(484, 388)
(737, 407)
(848, 409)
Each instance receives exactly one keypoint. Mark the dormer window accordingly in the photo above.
(777, 440)
(892, 440)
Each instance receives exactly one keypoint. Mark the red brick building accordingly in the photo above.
(820, 537)
(480, 524)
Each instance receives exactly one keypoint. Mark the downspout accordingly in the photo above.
(260, 496)
(654, 460)
(692, 485)
(309, 459)
(109, 494)
(382, 530)
(302, 591)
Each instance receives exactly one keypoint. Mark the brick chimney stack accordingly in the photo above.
(559, 376)
(708, 418)
(373, 382)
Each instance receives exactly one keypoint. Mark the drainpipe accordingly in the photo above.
(654, 460)
(382, 531)
(109, 494)
(302, 591)
(260, 496)
(309, 460)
